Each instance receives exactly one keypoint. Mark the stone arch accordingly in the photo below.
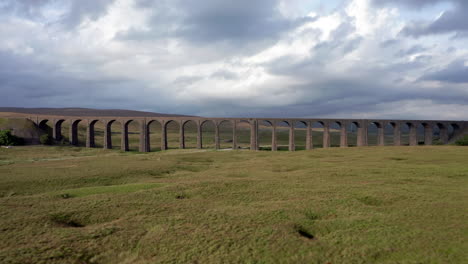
(343, 132)
(75, 134)
(334, 133)
(440, 133)
(46, 125)
(389, 133)
(153, 130)
(453, 130)
(57, 129)
(301, 134)
(42, 124)
(95, 133)
(171, 135)
(134, 135)
(113, 134)
(405, 128)
(208, 133)
(354, 127)
(318, 129)
(427, 134)
(190, 133)
(283, 134)
(375, 135)
(266, 133)
(128, 130)
(225, 137)
(420, 130)
(413, 133)
(243, 134)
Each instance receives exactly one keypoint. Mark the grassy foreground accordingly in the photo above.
(354, 205)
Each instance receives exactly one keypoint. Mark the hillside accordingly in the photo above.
(81, 112)
(22, 128)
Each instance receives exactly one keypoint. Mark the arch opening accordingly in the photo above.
(405, 133)
(133, 135)
(115, 130)
(373, 133)
(47, 127)
(76, 132)
(97, 134)
(352, 133)
(335, 134)
(421, 133)
(190, 134)
(265, 135)
(300, 135)
(243, 134)
(389, 130)
(453, 130)
(172, 129)
(225, 134)
(208, 134)
(317, 134)
(154, 135)
(282, 135)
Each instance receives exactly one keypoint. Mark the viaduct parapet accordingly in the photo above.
(456, 128)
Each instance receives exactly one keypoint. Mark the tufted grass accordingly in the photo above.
(353, 205)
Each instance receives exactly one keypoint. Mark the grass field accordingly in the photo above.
(354, 205)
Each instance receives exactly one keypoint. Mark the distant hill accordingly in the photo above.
(82, 112)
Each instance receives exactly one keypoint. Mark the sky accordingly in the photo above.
(405, 59)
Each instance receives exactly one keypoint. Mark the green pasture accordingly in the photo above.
(63, 204)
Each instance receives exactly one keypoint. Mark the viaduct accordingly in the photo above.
(458, 127)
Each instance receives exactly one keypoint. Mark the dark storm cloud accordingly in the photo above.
(456, 72)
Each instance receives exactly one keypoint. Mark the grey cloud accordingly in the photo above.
(389, 43)
(321, 54)
(456, 72)
(451, 21)
(79, 10)
(412, 50)
(27, 82)
(30, 9)
(224, 74)
(243, 25)
(74, 12)
(409, 3)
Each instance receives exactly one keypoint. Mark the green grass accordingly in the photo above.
(113, 189)
(353, 205)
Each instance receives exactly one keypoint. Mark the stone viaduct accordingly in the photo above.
(458, 128)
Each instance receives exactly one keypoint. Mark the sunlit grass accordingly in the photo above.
(353, 205)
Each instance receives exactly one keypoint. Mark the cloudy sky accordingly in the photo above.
(296, 58)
